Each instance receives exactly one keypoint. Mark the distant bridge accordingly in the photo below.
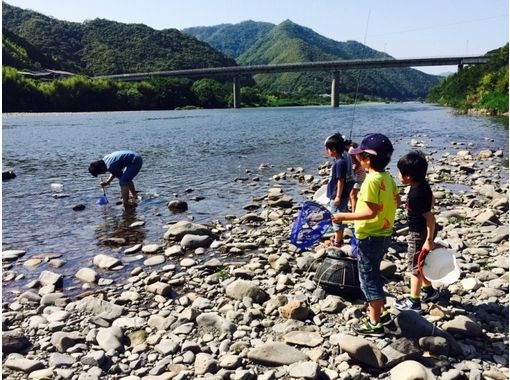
(332, 66)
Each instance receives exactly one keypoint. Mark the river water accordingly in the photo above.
(200, 150)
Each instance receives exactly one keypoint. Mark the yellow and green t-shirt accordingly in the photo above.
(378, 188)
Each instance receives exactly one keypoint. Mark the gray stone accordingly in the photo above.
(411, 369)
(241, 288)
(19, 363)
(276, 354)
(190, 241)
(14, 341)
(362, 350)
(179, 229)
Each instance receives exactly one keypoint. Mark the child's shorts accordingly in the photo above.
(371, 251)
(415, 241)
(131, 171)
(342, 208)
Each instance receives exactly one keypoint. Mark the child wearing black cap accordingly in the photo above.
(373, 218)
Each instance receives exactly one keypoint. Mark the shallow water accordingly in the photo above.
(203, 150)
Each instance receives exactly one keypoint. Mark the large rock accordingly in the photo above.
(411, 370)
(110, 338)
(179, 229)
(14, 341)
(87, 275)
(362, 350)
(190, 241)
(177, 206)
(213, 323)
(93, 305)
(242, 288)
(62, 341)
(106, 262)
(412, 325)
(276, 354)
(464, 326)
(50, 278)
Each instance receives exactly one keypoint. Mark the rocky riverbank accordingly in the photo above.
(237, 301)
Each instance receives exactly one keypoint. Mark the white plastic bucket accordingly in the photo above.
(320, 195)
(440, 267)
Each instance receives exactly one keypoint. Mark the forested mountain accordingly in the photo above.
(289, 42)
(483, 88)
(232, 40)
(101, 47)
(32, 41)
(17, 52)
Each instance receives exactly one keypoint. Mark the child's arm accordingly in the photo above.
(339, 190)
(367, 213)
(107, 182)
(431, 226)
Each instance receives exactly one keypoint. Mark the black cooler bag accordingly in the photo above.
(339, 275)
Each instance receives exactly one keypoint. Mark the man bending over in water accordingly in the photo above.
(122, 164)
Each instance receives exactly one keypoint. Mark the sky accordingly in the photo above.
(401, 28)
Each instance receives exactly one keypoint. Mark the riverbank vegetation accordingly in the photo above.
(479, 89)
(82, 94)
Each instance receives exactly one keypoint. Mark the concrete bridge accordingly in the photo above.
(334, 67)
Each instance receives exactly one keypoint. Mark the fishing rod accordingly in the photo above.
(358, 79)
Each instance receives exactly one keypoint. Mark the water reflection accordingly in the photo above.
(116, 228)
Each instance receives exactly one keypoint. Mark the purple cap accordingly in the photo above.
(374, 143)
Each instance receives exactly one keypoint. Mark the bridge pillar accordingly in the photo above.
(335, 88)
(237, 93)
(460, 66)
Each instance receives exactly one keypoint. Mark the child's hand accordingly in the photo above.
(337, 201)
(428, 245)
(337, 218)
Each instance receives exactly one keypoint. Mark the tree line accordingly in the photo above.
(82, 94)
(480, 87)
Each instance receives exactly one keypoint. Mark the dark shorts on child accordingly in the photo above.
(371, 252)
(415, 241)
(343, 207)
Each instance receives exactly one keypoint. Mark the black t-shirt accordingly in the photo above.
(419, 201)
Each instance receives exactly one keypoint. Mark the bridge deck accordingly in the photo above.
(361, 64)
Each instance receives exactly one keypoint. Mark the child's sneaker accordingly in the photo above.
(408, 304)
(367, 328)
(385, 318)
(429, 294)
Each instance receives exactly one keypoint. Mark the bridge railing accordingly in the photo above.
(304, 66)
(332, 66)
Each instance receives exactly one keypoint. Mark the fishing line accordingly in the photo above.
(358, 79)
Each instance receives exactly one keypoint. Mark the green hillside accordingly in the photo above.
(289, 42)
(101, 47)
(482, 88)
(16, 52)
(232, 40)
(32, 41)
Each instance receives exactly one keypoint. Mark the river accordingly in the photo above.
(187, 154)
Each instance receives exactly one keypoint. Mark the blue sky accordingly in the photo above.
(401, 28)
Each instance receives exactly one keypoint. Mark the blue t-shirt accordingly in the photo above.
(338, 172)
(116, 162)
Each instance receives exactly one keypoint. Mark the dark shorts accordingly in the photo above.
(415, 241)
(344, 202)
(131, 171)
(371, 252)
